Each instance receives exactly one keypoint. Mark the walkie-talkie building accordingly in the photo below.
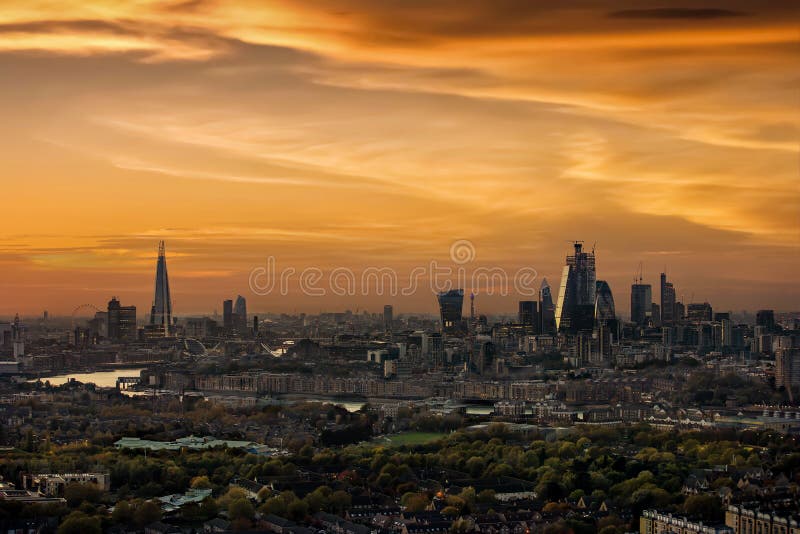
(161, 313)
(450, 306)
(576, 296)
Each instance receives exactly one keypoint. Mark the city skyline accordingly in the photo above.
(351, 135)
(158, 318)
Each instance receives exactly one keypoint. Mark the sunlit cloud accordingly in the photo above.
(353, 132)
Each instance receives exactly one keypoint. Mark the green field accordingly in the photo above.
(414, 438)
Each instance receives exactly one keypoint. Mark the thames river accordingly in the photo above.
(108, 379)
(105, 379)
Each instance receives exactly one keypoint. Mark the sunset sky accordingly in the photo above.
(355, 133)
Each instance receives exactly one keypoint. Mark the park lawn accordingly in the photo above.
(414, 438)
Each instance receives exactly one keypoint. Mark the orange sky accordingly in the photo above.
(361, 133)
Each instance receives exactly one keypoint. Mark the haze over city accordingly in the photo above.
(355, 134)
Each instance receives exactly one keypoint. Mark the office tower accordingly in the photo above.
(450, 305)
(699, 312)
(721, 316)
(240, 307)
(388, 317)
(641, 303)
(113, 318)
(787, 368)
(605, 320)
(240, 315)
(18, 338)
(98, 325)
(528, 313)
(655, 315)
(200, 327)
(161, 313)
(227, 315)
(766, 318)
(727, 332)
(667, 301)
(547, 311)
(576, 296)
(483, 354)
(680, 312)
(121, 321)
(604, 310)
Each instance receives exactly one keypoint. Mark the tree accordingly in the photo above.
(76, 493)
(234, 493)
(201, 482)
(240, 509)
(297, 510)
(146, 513)
(123, 512)
(339, 501)
(706, 507)
(415, 502)
(80, 523)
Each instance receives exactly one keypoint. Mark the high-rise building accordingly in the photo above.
(655, 315)
(547, 310)
(605, 321)
(240, 315)
(240, 307)
(641, 304)
(787, 368)
(200, 327)
(388, 317)
(528, 313)
(161, 313)
(766, 318)
(604, 310)
(121, 321)
(667, 301)
(227, 315)
(450, 306)
(680, 312)
(727, 332)
(576, 296)
(699, 312)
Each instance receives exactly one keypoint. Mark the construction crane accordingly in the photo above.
(639, 276)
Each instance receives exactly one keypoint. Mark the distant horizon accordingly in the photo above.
(304, 302)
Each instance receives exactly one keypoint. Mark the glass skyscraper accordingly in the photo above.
(161, 313)
(641, 304)
(667, 301)
(576, 296)
(547, 311)
(604, 311)
(450, 306)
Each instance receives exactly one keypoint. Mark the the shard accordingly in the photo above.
(161, 313)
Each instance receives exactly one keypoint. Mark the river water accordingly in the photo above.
(105, 379)
(108, 379)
